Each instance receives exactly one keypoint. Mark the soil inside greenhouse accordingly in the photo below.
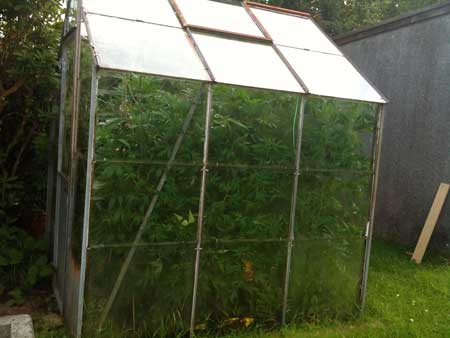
(404, 300)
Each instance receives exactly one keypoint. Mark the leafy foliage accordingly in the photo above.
(341, 16)
(251, 159)
(29, 38)
(23, 263)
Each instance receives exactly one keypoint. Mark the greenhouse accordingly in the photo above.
(217, 167)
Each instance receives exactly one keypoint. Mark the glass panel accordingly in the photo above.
(307, 35)
(324, 279)
(139, 118)
(122, 194)
(155, 11)
(247, 204)
(332, 204)
(144, 48)
(216, 15)
(330, 75)
(253, 127)
(337, 135)
(83, 135)
(155, 297)
(240, 286)
(68, 102)
(246, 64)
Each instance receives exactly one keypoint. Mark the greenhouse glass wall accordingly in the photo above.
(215, 170)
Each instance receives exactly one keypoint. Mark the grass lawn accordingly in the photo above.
(404, 300)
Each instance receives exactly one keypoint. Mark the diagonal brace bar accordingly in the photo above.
(376, 157)
(293, 209)
(148, 213)
(201, 209)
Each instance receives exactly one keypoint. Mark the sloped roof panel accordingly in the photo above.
(144, 48)
(245, 63)
(153, 11)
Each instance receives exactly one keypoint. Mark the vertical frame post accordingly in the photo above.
(375, 175)
(87, 199)
(301, 115)
(201, 208)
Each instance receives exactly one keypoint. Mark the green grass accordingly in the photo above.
(404, 301)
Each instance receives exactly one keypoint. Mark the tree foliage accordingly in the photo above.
(29, 38)
(341, 16)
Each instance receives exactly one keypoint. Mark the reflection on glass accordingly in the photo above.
(337, 135)
(140, 118)
(240, 286)
(123, 192)
(332, 204)
(246, 64)
(307, 35)
(247, 203)
(83, 135)
(330, 75)
(144, 48)
(154, 11)
(324, 279)
(253, 127)
(155, 297)
(216, 15)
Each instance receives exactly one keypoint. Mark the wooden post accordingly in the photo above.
(430, 223)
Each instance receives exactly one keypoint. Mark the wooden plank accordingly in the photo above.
(430, 223)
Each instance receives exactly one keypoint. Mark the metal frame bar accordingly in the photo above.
(301, 115)
(218, 165)
(88, 198)
(150, 209)
(278, 9)
(248, 7)
(191, 39)
(375, 176)
(230, 34)
(218, 241)
(201, 208)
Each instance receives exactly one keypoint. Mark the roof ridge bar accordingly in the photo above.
(258, 23)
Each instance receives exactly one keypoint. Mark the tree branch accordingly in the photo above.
(13, 89)
(22, 149)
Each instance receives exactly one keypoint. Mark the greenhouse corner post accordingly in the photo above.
(149, 211)
(87, 199)
(201, 208)
(374, 188)
(293, 208)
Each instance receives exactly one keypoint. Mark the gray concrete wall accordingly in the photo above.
(411, 66)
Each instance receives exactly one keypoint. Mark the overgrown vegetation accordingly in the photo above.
(404, 300)
(342, 16)
(252, 151)
(29, 38)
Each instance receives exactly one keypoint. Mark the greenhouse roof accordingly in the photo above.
(250, 45)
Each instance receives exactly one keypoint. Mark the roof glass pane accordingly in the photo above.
(219, 16)
(155, 11)
(144, 48)
(246, 64)
(330, 75)
(281, 28)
